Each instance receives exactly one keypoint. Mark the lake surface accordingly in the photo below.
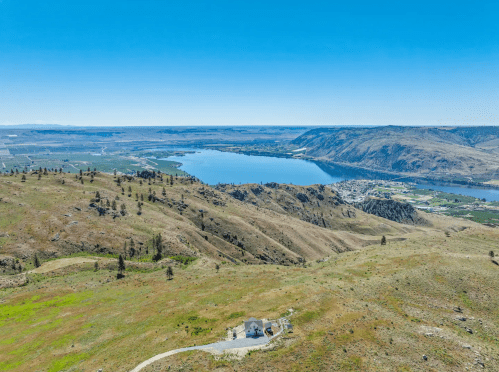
(214, 167)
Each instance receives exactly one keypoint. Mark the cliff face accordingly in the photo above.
(315, 204)
(392, 210)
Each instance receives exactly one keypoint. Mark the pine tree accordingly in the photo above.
(383, 240)
(114, 205)
(157, 243)
(23, 178)
(169, 273)
(96, 266)
(217, 267)
(37, 261)
(121, 267)
(132, 248)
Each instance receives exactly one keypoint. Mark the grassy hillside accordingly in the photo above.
(448, 153)
(377, 309)
(360, 306)
(54, 218)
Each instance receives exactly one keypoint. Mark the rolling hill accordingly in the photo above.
(443, 152)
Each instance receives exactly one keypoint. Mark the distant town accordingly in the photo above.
(428, 200)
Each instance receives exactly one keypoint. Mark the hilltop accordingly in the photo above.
(452, 153)
(60, 214)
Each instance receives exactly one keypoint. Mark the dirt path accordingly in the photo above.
(57, 264)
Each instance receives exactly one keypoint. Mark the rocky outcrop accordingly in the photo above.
(392, 210)
(239, 195)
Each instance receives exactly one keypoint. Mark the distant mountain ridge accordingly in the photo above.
(413, 151)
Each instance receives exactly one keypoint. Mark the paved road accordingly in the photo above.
(218, 346)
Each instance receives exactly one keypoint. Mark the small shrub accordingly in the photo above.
(184, 259)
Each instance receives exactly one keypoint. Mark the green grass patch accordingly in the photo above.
(237, 314)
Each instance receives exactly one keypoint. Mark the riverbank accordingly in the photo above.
(428, 179)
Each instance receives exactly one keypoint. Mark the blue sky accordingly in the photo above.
(153, 62)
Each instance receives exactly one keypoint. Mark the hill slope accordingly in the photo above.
(54, 218)
(414, 151)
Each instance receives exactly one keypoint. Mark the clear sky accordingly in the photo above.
(159, 62)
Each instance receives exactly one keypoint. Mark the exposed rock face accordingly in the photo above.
(237, 194)
(392, 210)
(302, 197)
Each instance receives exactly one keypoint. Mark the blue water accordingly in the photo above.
(214, 167)
(488, 194)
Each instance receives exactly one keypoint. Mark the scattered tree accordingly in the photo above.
(36, 261)
(121, 267)
(23, 178)
(383, 240)
(217, 267)
(114, 205)
(491, 254)
(157, 243)
(169, 273)
(96, 266)
(132, 248)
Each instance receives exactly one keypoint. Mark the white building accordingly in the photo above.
(253, 327)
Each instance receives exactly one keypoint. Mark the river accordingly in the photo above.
(214, 167)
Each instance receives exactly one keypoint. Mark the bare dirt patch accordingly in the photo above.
(57, 264)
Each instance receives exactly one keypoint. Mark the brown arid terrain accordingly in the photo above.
(51, 218)
(358, 305)
(447, 153)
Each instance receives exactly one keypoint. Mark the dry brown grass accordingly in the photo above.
(363, 310)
